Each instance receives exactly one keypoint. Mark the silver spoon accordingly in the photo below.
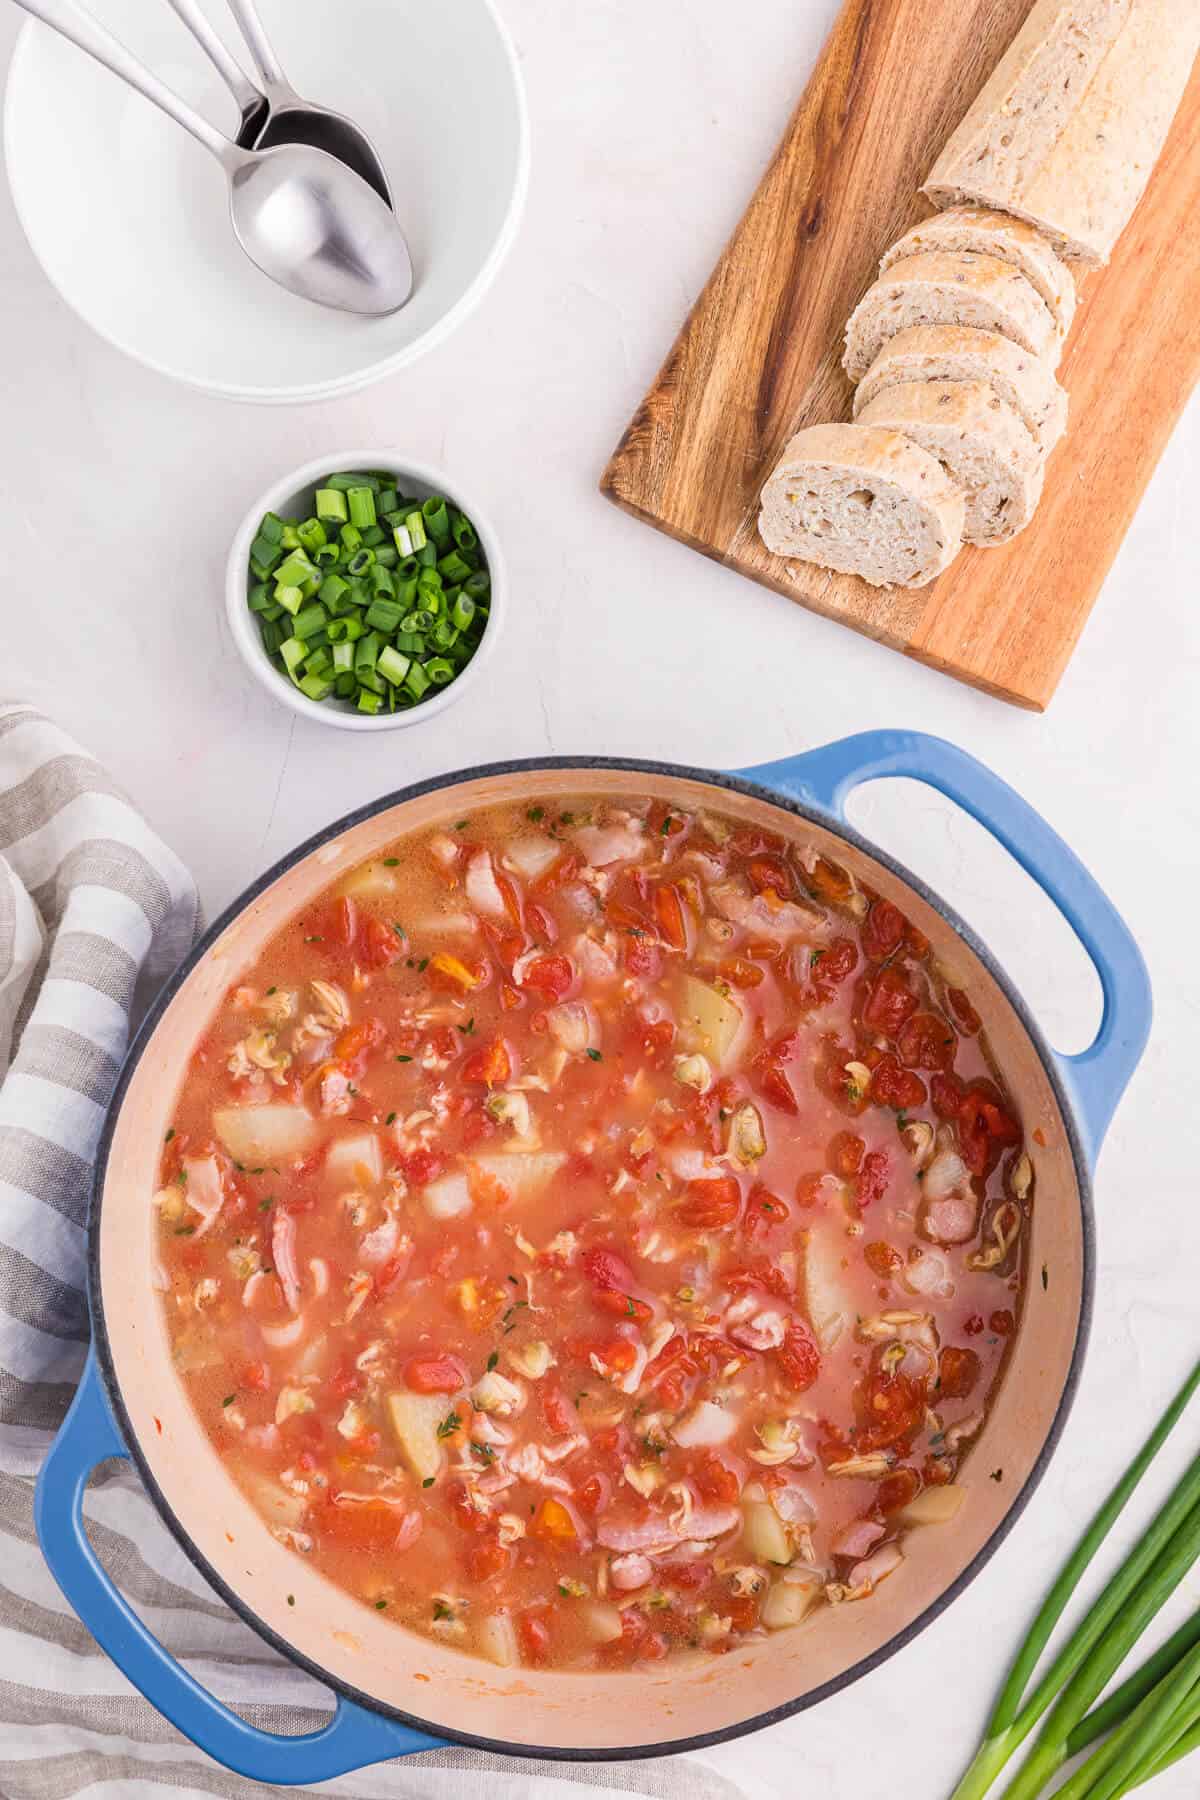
(300, 215)
(275, 114)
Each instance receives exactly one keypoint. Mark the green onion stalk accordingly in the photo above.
(1100, 1643)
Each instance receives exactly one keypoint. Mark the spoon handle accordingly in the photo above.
(251, 27)
(81, 29)
(223, 61)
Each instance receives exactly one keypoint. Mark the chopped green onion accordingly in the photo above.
(372, 597)
(331, 504)
(362, 506)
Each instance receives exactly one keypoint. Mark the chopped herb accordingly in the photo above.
(653, 1448)
(996, 1475)
(428, 1481)
(351, 1089)
(291, 1599)
(184, 1230)
(581, 1395)
(441, 1610)
(630, 1308)
(493, 1359)
(536, 814)
(169, 1135)
(391, 1119)
(422, 965)
(267, 1204)
(595, 1055)
(229, 1400)
(449, 1425)
(666, 825)
(902, 1121)
(181, 1178)
(391, 862)
(240, 1167)
(314, 940)
(462, 824)
(815, 958)
(484, 1450)
(271, 991)
(567, 818)
(513, 1279)
(1045, 1277)
(404, 1059)
(398, 929)
(380, 1605)
(469, 1027)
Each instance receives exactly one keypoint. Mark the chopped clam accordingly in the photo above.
(781, 1443)
(871, 1467)
(695, 1072)
(510, 1528)
(963, 1432)
(335, 1008)
(1020, 1178)
(279, 1006)
(495, 1393)
(747, 1580)
(859, 1080)
(918, 1139)
(532, 1359)
(644, 1478)
(292, 1400)
(1005, 1229)
(354, 1420)
(244, 1260)
(746, 1141)
(507, 1108)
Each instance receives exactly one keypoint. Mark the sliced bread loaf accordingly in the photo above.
(1067, 130)
(949, 287)
(979, 440)
(961, 353)
(996, 234)
(864, 501)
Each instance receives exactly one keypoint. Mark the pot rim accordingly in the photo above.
(719, 779)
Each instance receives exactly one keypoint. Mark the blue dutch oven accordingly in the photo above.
(397, 1692)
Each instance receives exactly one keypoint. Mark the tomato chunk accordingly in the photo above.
(709, 1204)
(552, 976)
(435, 1375)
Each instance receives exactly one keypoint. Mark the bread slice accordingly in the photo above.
(1067, 130)
(949, 287)
(962, 353)
(979, 440)
(863, 501)
(991, 233)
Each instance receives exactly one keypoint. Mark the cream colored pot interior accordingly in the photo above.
(526, 1707)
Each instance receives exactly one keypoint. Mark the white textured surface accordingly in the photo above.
(651, 124)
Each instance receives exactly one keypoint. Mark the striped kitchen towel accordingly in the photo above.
(94, 912)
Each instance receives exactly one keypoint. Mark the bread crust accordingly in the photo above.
(991, 233)
(962, 353)
(1066, 131)
(981, 442)
(863, 501)
(950, 287)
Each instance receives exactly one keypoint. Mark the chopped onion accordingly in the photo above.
(448, 1197)
(481, 888)
(573, 1024)
(704, 1425)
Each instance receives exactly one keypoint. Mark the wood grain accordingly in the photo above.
(758, 356)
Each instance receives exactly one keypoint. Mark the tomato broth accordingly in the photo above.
(592, 1233)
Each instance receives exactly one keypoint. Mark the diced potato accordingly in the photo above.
(764, 1534)
(355, 1161)
(498, 1640)
(449, 1197)
(522, 1172)
(705, 1424)
(934, 1506)
(264, 1134)
(602, 1621)
(829, 1304)
(532, 856)
(445, 924)
(373, 881)
(789, 1600)
(415, 1419)
(711, 1021)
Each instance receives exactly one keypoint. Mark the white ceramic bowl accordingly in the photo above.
(129, 217)
(292, 497)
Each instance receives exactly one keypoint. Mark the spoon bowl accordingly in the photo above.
(322, 129)
(315, 227)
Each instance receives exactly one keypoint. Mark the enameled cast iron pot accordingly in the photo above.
(398, 1692)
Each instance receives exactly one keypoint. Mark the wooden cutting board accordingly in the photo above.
(758, 357)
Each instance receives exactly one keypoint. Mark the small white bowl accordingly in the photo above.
(292, 497)
(129, 216)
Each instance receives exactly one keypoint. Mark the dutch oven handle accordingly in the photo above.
(351, 1739)
(1098, 1076)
